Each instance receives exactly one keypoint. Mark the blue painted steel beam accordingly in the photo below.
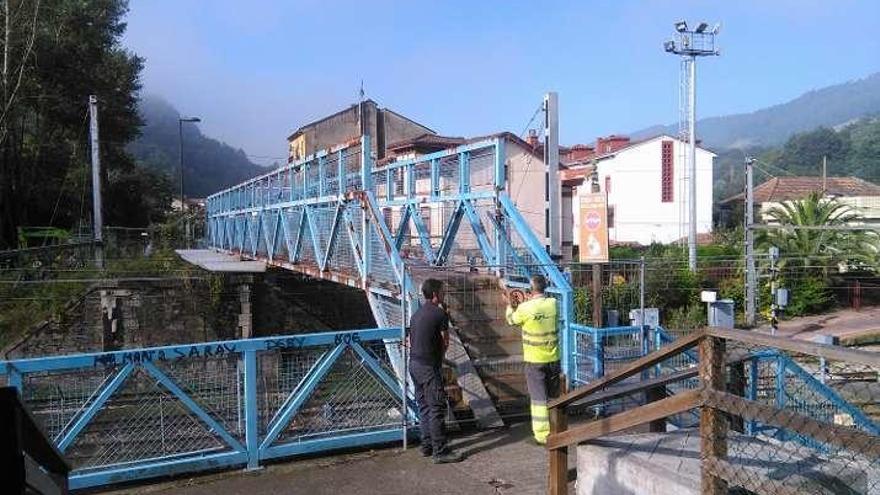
(335, 442)
(201, 350)
(251, 413)
(334, 229)
(859, 417)
(449, 235)
(424, 236)
(300, 395)
(107, 389)
(401, 227)
(187, 401)
(355, 241)
(480, 232)
(313, 232)
(416, 200)
(79, 480)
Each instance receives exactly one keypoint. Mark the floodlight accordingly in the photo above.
(701, 28)
(669, 46)
(681, 26)
(716, 28)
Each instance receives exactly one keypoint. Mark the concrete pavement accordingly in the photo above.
(498, 462)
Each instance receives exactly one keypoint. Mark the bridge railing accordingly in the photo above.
(139, 413)
(766, 423)
(337, 215)
(786, 381)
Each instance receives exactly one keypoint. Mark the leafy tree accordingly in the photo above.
(813, 249)
(57, 53)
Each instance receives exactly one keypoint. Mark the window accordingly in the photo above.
(607, 184)
(667, 170)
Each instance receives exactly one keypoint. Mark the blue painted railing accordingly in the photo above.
(598, 351)
(132, 414)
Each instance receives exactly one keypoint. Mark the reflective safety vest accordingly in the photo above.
(537, 317)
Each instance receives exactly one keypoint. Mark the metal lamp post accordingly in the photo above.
(690, 44)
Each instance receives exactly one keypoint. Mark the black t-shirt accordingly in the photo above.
(425, 339)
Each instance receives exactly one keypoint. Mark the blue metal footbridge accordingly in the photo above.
(141, 413)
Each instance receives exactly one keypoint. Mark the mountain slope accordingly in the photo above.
(829, 107)
(209, 164)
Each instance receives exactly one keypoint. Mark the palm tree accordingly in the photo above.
(817, 249)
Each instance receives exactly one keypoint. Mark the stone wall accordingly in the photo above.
(146, 313)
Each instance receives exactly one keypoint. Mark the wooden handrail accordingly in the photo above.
(636, 366)
(635, 388)
(826, 351)
(669, 406)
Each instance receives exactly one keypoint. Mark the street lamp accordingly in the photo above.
(180, 122)
(689, 44)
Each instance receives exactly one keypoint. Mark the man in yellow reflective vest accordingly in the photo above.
(537, 317)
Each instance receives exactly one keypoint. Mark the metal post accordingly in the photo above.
(251, 415)
(98, 223)
(751, 275)
(551, 163)
(692, 168)
(404, 323)
(642, 290)
(180, 160)
(597, 295)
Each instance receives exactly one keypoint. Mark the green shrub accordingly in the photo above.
(809, 295)
(689, 317)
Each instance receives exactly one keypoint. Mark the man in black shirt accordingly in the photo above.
(428, 339)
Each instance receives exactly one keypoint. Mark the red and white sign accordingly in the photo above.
(593, 235)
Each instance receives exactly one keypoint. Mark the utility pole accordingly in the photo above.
(690, 44)
(824, 174)
(751, 275)
(98, 221)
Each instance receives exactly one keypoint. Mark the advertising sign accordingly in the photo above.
(593, 235)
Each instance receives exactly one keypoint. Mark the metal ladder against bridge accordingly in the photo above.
(334, 216)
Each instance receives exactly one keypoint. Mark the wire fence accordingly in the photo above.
(154, 411)
(746, 412)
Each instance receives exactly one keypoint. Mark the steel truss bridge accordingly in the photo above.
(383, 228)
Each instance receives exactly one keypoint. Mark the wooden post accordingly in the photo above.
(653, 395)
(737, 386)
(713, 422)
(597, 295)
(558, 483)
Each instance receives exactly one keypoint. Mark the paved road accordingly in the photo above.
(499, 462)
(843, 323)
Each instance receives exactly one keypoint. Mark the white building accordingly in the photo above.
(647, 187)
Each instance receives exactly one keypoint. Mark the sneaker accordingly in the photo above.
(448, 457)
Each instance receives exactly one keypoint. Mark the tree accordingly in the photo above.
(817, 249)
(56, 54)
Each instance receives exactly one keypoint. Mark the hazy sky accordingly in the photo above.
(254, 71)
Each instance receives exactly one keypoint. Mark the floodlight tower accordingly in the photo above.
(690, 44)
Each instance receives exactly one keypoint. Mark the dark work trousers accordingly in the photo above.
(431, 398)
(543, 382)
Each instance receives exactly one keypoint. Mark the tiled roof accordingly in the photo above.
(427, 140)
(793, 188)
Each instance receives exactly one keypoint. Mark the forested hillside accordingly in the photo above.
(209, 165)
